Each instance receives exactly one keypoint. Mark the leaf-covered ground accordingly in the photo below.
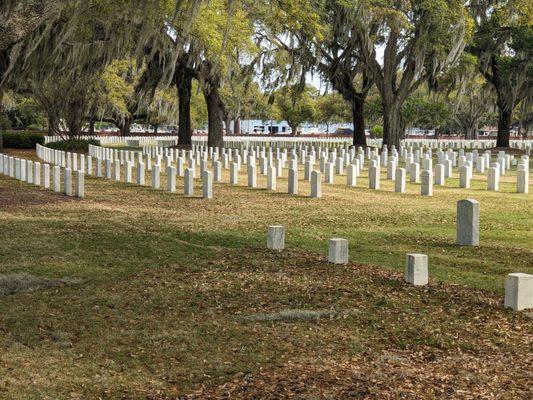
(171, 297)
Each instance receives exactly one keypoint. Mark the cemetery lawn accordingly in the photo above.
(154, 295)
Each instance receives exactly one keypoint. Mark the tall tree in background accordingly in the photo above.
(339, 63)
(404, 44)
(503, 44)
(295, 106)
(331, 108)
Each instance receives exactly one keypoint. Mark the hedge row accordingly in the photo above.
(22, 140)
(77, 145)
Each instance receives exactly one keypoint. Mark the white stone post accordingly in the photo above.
(426, 189)
(416, 269)
(308, 168)
(99, 173)
(188, 188)
(522, 178)
(271, 178)
(46, 176)
(448, 169)
(351, 175)
(468, 222)
(80, 184)
(276, 237)
(68, 182)
(171, 179)
(464, 177)
(519, 291)
(108, 169)
(328, 173)
(399, 181)
(480, 164)
(89, 162)
(414, 173)
(373, 177)
(338, 251)
(252, 176)
(439, 175)
(316, 184)
(37, 174)
(493, 179)
(116, 170)
(217, 166)
(57, 179)
(233, 174)
(293, 181)
(207, 184)
(391, 170)
(156, 177)
(140, 173)
(29, 171)
(128, 172)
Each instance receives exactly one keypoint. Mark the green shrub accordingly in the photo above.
(377, 131)
(22, 140)
(77, 145)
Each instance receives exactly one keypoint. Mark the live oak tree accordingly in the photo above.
(503, 44)
(218, 41)
(331, 108)
(406, 43)
(295, 105)
(338, 61)
(75, 40)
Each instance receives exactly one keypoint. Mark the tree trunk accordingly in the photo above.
(504, 122)
(358, 116)
(53, 125)
(156, 129)
(227, 124)
(91, 127)
(1, 112)
(214, 117)
(470, 132)
(184, 87)
(294, 129)
(125, 127)
(74, 117)
(392, 130)
(237, 126)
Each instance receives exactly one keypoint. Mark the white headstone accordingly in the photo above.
(519, 291)
(207, 184)
(468, 222)
(276, 237)
(338, 251)
(416, 269)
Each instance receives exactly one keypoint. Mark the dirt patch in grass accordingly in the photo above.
(17, 197)
(20, 283)
(291, 315)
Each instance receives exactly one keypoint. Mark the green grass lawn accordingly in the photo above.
(168, 296)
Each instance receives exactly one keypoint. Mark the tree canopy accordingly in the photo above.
(447, 65)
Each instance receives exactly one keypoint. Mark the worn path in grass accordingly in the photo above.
(175, 296)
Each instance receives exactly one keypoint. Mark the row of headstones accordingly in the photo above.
(518, 286)
(525, 145)
(202, 155)
(39, 175)
(112, 169)
(410, 156)
(337, 164)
